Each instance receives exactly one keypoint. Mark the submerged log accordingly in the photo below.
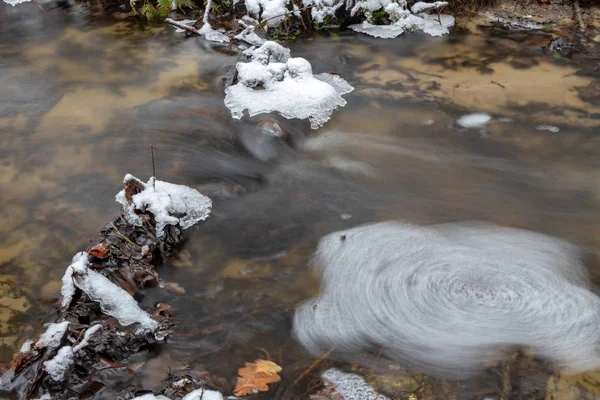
(100, 324)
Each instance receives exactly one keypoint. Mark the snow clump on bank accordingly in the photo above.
(402, 19)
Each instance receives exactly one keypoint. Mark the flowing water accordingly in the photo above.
(83, 95)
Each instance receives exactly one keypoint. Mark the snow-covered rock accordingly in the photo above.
(170, 204)
(274, 81)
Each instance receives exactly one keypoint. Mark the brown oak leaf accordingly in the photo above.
(255, 377)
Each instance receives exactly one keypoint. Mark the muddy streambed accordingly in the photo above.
(83, 95)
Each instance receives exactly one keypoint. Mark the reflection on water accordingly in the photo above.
(82, 97)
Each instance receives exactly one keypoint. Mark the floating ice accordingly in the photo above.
(113, 300)
(351, 386)
(402, 19)
(62, 361)
(445, 298)
(549, 128)
(274, 81)
(169, 204)
(53, 335)
(475, 120)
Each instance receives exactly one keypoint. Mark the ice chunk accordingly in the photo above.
(274, 81)
(475, 120)
(170, 204)
(113, 300)
(88, 334)
(201, 394)
(350, 386)
(249, 36)
(549, 128)
(444, 298)
(421, 6)
(213, 35)
(62, 361)
(15, 2)
(53, 335)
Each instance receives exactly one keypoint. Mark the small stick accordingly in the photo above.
(313, 365)
(577, 9)
(287, 13)
(182, 26)
(153, 166)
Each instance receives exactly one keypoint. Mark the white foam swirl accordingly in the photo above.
(445, 298)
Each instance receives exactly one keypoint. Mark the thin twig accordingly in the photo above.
(577, 9)
(153, 166)
(40, 7)
(287, 13)
(313, 365)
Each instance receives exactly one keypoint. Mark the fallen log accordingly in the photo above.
(100, 324)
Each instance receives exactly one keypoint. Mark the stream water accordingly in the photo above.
(83, 95)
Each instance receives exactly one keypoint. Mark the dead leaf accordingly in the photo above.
(255, 377)
(99, 250)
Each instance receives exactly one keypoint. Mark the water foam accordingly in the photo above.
(445, 298)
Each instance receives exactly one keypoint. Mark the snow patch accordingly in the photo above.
(27, 346)
(266, 9)
(207, 31)
(350, 386)
(113, 300)
(68, 288)
(421, 6)
(201, 394)
(53, 335)
(274, 81)
(88, 334)
(321, 9)
(62, 361)
(170, 204)
(475, 120)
